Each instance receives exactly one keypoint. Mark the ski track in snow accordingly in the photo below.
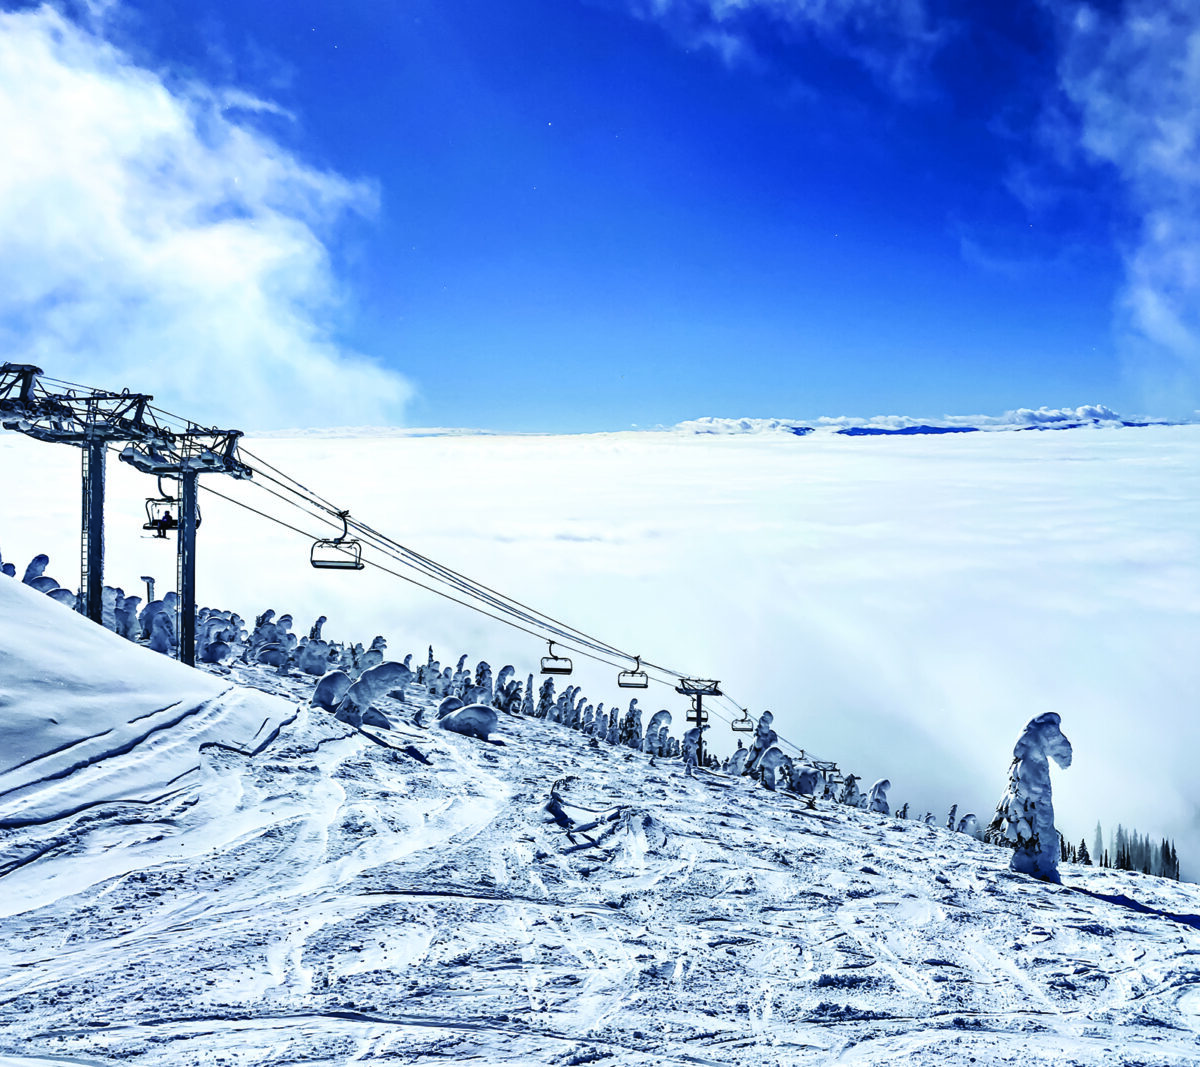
(333, 900)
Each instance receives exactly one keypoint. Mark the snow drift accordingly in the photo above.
(88, 718)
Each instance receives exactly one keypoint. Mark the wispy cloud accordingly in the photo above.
(1132, 83)
(892, 39)
(155, 237)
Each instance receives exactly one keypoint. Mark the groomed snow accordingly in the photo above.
(335, 899)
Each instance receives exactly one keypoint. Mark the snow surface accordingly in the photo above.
(334, 899)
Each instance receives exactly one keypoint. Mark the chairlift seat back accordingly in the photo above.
(336, 555)
(633, 680)
(556, 665)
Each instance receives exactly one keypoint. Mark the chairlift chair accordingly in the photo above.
(162, 511)
(553, 664)
(745, 724)
(341, 553)
(634, 679)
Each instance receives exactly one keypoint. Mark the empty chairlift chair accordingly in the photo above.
(553, 664)
(342, 553)
(634, 679)
(745, 724)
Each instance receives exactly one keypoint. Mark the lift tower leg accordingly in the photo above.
(91, 579)
(186, 617)
(700, 718)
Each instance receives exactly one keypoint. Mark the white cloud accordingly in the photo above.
(154, 239)
(1133, 81)
(892, 39)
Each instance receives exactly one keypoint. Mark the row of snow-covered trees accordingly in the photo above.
(1127, 850)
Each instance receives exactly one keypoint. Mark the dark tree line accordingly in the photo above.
(1127, 850)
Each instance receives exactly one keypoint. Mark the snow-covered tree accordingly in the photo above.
(545, 699)
(1025, 815)
(952, 818)
(877, 797)
(651, 742)
(850, 794)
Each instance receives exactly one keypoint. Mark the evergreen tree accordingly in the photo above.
(1083, 856)
(1098, 842)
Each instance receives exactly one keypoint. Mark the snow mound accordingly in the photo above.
(88, 718)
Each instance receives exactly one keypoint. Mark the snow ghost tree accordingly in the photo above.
(851, 794)
(650, 742)
(764, 738)
(769, 765)
(1025, 815)
(877, 798)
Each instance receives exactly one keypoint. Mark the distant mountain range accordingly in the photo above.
(1089, 415)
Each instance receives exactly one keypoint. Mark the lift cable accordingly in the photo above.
(439, 572)
(509, 611)
(403, 577)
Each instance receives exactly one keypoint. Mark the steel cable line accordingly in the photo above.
(725, 697)
(406, 578)
(548, 621)
(515, 613)
(440, 572)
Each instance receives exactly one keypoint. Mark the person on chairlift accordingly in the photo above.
(164, 524)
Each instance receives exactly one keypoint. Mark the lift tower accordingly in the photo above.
(698, 689)
(90, 419)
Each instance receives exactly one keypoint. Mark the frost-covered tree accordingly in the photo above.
(37, 567)
(1082, 855)
(631, 727)
(460, 680)
(967, 825)
(764, 739)
(769, 765)
(851, 794)
(951, 819)
(545, 699)
(903, 812)
(481, 690)
(651, 742)
(372, 684)
(1025, 814)
(877, 797)
(806, 780)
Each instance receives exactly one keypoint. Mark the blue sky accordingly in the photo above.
(587, 214)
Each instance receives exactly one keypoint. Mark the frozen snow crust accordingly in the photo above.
(336, 894)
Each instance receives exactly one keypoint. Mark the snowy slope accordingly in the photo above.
(88, 719)
(337, 899)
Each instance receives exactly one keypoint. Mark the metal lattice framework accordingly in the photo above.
(698, 689)
(154, 443)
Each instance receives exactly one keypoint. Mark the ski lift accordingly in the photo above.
(634, 679)
(341, 553)
(162, 512)
(553, 664)
(745, 724)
